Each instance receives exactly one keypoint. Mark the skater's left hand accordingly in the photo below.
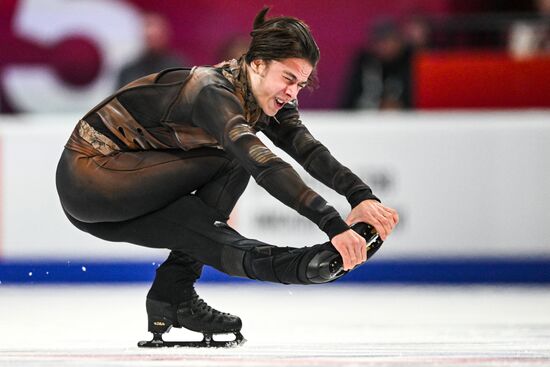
(381, 217)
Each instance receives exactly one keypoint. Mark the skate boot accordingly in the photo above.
(327, 265)
(193, 314)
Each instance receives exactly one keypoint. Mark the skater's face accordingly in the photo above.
(275, 83)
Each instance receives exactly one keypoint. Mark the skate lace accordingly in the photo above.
(199, 306)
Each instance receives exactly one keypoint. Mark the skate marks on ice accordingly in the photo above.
(429, 354)
(305, 354)
(285, 326)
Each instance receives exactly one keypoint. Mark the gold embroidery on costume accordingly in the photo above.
(240, 130)
(100, 142)
(261, 154)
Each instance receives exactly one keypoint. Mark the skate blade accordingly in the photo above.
(206, 342)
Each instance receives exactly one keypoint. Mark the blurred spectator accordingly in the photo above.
(381, 74)
(234, 48)
(529, 38)
(417, 33)
(156, 55)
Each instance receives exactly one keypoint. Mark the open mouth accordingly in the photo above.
(279, 102)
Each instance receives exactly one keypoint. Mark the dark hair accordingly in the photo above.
(281, 38)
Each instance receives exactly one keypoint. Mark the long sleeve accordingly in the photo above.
(217, 110)
(289, 134)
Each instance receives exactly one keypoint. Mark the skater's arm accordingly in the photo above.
(294, 138)
(218, 111)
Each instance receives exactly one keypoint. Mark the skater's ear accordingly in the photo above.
(258, 66)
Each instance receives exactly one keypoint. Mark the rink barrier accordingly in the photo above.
(453, 177)
(432, 271)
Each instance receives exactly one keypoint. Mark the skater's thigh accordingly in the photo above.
(187, 225)
(130, 184)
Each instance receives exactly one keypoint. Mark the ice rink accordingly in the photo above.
(336, 325)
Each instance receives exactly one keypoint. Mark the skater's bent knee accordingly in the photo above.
(324, 266)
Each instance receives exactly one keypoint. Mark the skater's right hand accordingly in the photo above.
(352, 247)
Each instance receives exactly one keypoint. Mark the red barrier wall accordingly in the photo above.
(481, 80)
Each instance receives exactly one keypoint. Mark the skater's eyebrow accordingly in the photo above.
(294, 78)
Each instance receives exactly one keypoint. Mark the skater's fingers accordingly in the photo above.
(395, 218)
(346, 257)
(379, 227)
(390, 216)
(340, 243)
(360, 249)
(387, 226)
(357, 258)
(353, 253)
(350, 219)
(386, 219)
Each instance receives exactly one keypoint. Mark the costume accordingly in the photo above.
(148, 63)
(162, 162)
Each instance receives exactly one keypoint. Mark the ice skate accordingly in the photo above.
(328, 265)
(193, 314)
(371, 236)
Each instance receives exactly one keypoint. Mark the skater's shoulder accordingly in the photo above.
(210, 76)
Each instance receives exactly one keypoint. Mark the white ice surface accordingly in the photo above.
(334, 325)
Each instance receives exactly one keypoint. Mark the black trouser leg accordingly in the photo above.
(223, 191)
(190, 226)
(175, 278)
(144, 198)
(108, 196)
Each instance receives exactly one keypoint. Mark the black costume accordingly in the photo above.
(162, 162)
